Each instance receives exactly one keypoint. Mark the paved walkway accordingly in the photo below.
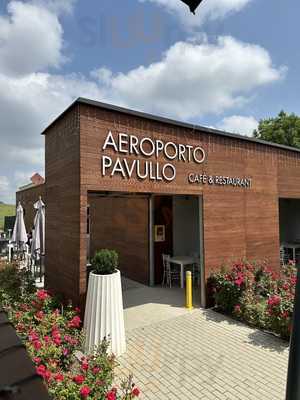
(202, 355)
(146, 305)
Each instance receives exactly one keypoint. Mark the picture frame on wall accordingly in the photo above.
(159, 233)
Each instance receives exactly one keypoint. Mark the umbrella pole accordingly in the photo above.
(40, 268)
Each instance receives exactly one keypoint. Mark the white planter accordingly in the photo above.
(104, 313)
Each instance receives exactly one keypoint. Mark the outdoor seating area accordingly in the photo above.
(174, 269)
(290, 251)
(289, 214)
(26, 249)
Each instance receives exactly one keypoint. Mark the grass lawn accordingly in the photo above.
(6, 210)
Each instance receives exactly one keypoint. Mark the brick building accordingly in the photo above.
(146, 185)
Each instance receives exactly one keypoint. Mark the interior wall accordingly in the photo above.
(289, 220)
(163, 215)
(186, 233)
(121, 224)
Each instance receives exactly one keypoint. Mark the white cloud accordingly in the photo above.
(4, 184)
(191, 80)
(31, 156)
(209, 10)
(5, 189)
(239, 124)
(31, 39)
(56, 6)
(194, 79)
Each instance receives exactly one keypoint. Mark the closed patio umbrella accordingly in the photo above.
(19, 236)
(38, 237)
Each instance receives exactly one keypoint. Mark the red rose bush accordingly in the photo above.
(255, 294)
(53, 337)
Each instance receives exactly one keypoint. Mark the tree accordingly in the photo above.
(283, 129)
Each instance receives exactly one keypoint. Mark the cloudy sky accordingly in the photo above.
(235, 62)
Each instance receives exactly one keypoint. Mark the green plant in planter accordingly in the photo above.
(105, 262)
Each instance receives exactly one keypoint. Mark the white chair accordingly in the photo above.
(170, 272)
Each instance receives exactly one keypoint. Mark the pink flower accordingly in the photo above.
(275, 276)
(293, 280)
(41, 370)
(135, 392)
(24, 307)
(37, 360)
(85, 366)
(59, 377)
(111, 395)
(20, 327)
(47, 375)
(79, 379)
(274, 300)
(57, 340)
(237, 308)
(39, 315)
(68, 339)
(285, 286)
(65, 352)
(35, 304)
(33, 336)
(75, 322)
(42, 294)
(55, 332)
(47, 339)
(37, 344)
(85, 391)
(239, 281)
(96, 370)
(18, 314)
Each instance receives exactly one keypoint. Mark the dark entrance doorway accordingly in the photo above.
(177, 228)
(289, 225)
(163, 220)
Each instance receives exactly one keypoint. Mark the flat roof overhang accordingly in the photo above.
(163, 120)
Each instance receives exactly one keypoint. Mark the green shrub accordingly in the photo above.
(14, 283)
(54, 338)
(226, 294)
(105, 262)
(257, 295)
(252, 310)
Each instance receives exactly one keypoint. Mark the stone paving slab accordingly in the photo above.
(205, 355)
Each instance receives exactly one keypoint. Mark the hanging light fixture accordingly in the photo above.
(193, 4)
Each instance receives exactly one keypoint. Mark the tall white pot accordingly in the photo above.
(104, 313)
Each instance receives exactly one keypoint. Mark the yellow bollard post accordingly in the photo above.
(188, 291)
